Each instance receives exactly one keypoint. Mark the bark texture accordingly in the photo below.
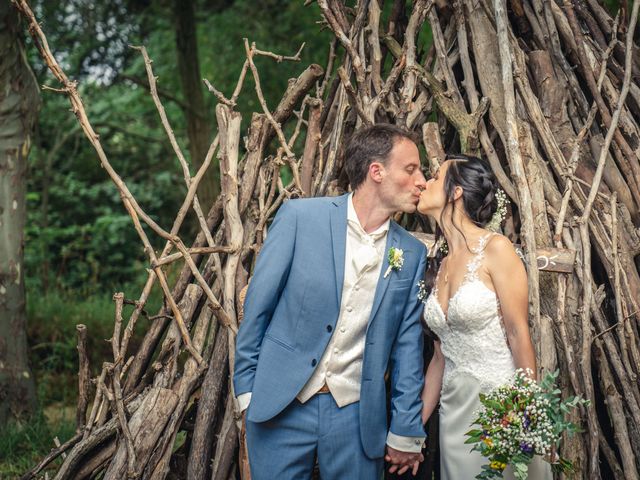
(19, 105)
(198, 122)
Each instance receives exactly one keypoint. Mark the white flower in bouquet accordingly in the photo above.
(520, 420)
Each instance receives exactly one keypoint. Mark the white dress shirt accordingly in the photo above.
(341, 364)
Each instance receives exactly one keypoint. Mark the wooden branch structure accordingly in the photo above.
(499, 81)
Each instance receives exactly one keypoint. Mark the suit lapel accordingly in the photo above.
(383, 283)
(339, 241)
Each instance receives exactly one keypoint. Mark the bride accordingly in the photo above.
(477, 307)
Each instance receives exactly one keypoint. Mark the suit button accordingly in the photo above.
(329, 328)
(313, 362)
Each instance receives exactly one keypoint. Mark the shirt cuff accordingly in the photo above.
(243, 401)
(405, 444)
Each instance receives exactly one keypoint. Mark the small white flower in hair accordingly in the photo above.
(500, 213)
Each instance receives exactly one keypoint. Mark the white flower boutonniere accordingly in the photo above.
(396, 260)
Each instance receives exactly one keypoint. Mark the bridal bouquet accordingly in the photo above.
(520, 420)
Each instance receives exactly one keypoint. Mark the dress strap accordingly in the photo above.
(482, 243)
(435, 282)
(476, 259)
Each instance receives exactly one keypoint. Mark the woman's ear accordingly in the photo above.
(457, 193)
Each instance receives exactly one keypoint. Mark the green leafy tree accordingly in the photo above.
(79, 238)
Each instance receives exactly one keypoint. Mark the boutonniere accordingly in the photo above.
(396, 259)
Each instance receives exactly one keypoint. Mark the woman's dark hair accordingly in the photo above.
(479, 186)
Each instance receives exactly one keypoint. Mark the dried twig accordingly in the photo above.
(53, 454)
(117, 390)
(83, 378)
(280, 58)
(250, 51)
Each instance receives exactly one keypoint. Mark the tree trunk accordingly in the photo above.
(19, 104)
(198, 121)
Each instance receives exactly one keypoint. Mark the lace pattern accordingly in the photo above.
(471, 334)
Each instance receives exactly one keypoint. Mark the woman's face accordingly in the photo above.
(433, 197)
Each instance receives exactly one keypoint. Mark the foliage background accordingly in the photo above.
(80, 244)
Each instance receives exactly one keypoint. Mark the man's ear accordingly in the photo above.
(457, 193)
(376, 171)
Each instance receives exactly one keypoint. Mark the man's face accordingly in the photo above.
(402, 180)
(434, 198)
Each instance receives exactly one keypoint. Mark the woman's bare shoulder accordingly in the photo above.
(501, 250)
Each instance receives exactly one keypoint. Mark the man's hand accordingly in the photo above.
(403, 461)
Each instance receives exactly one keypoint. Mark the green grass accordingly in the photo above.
(51, 330)
(53, 357)
(23, 445)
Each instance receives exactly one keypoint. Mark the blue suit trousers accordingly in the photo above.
(286, 447)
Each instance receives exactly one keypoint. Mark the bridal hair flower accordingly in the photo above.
(500, 213)
(396, 260)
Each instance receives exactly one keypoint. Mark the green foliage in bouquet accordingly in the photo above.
(520, 420)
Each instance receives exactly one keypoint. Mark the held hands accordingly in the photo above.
(403, 461)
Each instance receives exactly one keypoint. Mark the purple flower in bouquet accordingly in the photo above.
(520, 420)
(526, 447)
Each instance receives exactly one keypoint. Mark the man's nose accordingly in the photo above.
(421, 182)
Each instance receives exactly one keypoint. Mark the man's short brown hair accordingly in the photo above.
(371, 144)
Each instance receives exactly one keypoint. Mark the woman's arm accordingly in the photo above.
(509, 279)
(432, 383)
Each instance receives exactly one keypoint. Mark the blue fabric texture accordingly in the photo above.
(287, 446)
(290, 313)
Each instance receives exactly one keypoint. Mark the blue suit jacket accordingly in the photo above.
(291, 309)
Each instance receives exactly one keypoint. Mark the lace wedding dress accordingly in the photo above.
(477, 359)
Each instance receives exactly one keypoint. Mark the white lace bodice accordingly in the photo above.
(471, 335)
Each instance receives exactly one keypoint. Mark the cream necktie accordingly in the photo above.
(365, 256)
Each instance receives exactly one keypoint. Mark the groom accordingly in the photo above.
(327, 314)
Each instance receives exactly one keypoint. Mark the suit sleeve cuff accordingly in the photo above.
(405, 444)
(243, 401)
